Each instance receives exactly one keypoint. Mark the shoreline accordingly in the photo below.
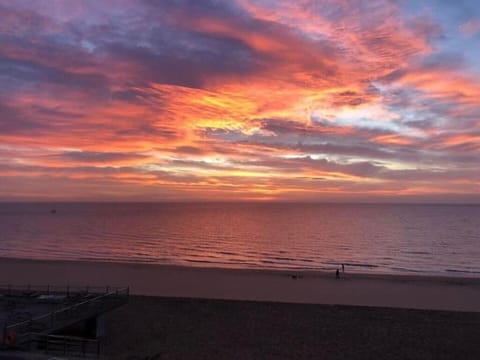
(351, 270)
(284, 286)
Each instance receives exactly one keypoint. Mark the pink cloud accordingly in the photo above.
(471, 27)
(275, 102)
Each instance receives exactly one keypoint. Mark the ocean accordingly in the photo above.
(367, 238)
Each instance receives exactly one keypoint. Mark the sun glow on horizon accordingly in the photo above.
(245, 99)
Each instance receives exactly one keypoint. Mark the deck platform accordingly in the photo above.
(33, 316)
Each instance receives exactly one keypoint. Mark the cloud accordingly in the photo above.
(471, 27)
(99, 157)
(250, 99)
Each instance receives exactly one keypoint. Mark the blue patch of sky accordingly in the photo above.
(450, 16)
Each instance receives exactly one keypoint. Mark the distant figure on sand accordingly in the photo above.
(343, 268)
(337, 274)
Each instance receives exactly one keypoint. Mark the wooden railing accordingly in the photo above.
(65, 345)
(66, 290)
(91, 304)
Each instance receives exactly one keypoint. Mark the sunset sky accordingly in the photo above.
(240, 100)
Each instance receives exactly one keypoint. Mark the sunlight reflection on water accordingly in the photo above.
(433, 239)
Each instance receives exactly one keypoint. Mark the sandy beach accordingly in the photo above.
(177, 328)
(197, 313)
(415, 292)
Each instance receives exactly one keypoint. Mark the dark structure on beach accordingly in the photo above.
(58, 320)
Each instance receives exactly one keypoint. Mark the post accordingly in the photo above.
(99, 326)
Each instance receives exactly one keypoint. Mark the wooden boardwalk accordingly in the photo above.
(52, 308)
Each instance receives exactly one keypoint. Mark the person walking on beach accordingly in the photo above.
(343, 268)
(337, 274)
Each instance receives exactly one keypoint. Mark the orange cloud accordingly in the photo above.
(290, 100)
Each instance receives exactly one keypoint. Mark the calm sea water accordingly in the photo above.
(430, 239)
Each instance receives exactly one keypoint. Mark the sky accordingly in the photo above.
(143, 100)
